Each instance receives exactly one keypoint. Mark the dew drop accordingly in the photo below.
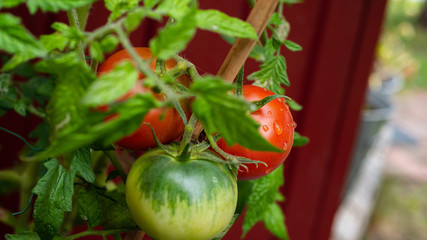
(294, 124)
(281, 109)
(268, 171)
(265, 128)
(285, 146)
(277, 128)
(269, 112)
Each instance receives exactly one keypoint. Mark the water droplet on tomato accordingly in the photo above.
(268, 171)
(281, 109)
(265, 128)
(294, 124)
(285, 146)
(269, 112)
(277, 128)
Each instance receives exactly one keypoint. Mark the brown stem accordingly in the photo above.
(242, 47)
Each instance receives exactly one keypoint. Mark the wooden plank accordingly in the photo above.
(372, 18)
(324, 92)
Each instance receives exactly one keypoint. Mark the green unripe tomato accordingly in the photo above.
(171, 199)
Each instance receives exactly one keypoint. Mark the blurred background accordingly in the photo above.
(386, 190)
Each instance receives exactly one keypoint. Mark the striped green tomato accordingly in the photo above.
(173, 199)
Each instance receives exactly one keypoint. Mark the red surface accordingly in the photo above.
(328, 78)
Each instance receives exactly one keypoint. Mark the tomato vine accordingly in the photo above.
(84, 115)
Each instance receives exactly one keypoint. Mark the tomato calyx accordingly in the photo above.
(232, 160)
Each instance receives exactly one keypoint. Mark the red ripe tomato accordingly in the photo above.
(276, 125)
(166, 123)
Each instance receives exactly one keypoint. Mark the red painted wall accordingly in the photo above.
(328, 78)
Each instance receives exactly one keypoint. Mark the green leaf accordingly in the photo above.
(93, 127)
(174, 37)
(119, 7)
(222, 112)
(263, 194)
(300, 140)
(89, 207)
(10, 3)
(293, 104)
(5, 83)
(54, 197)
(15, 39)
(72, 34)
(272, 74)
(257, 52)
(38, 88)
(245, 189)
(134, 18)
(73, 77)
(150, 3)
(216, 21)
(42, 134)
(23, 236)
(118, 215)
(95, 51)
(112, 85)
(275, 19)
(109, 43)
(274, 221)
(271, 47)
(56, 5)
(54, 41)
(20, 107)
(15, 61)
(281, 31)
(176, 9)
(292, 46)
(82, 164)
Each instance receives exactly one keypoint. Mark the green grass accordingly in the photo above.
(403, 45)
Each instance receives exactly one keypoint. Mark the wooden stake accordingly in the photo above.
(242, 47)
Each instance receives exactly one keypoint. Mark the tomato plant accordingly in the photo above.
(167, 123)
(177, 190)
(173, 198)
(276, 125)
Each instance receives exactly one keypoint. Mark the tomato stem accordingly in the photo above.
(191, 68)
(259, 104)
(185, 153)
(117, 165)
(103, 233)
(186, 137)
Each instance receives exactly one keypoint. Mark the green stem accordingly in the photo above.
(23, 139)
(186, 137)
(99, 165)
(191, 68)
(29, 177)
(117, 165)
(227, 156)
(101, 31)
(103, 233)
(30, 108)
(83, 13)
(94, 65)
(11, 177)
(143, 66)
(73, 19)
